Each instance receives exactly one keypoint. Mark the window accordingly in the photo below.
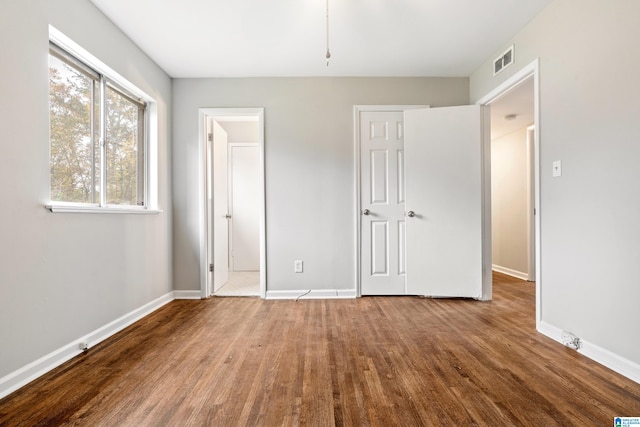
(97, 136)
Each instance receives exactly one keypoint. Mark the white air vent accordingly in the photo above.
(503, 61)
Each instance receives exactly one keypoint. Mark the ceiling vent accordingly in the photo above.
(503, 61)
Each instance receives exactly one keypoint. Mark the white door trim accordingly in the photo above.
(531, 204)
(530, 70)
(357, 109)
(203, 114)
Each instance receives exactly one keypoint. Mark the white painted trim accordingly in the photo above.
(76, 208)
(605, 357)
(508, 271)
(187, 295)
(13, 381)
(532, 69)
(513, 81)
(531, 203)
(313, 294)
(357, 109)
(203, 114)
(62, 40)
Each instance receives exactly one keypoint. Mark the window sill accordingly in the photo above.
(63, 208)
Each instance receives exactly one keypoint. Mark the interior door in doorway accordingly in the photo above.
(445, 191)
(220, 208)
(382, 203)
(244, 191)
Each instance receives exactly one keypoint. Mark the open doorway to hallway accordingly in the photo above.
(234, 218)
(523, 85)
(513, 182)
(243, 191)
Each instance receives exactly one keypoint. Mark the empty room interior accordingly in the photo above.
(223, 212)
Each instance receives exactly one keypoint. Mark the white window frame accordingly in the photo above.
(122, 85)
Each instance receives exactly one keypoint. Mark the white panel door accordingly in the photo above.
(244, 187)
(220, 208)
(382, 203)
(444, 190)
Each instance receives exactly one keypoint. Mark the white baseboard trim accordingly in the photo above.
(13, 381)
(508, 271)
(605, 357)
(187, 294)
(313, 294)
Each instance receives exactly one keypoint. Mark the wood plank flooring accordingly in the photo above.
(393, 361)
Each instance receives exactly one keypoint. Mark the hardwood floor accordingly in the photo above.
(394, 361)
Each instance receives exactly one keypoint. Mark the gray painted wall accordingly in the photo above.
(309, 167)
(65, 275)
(590, 119)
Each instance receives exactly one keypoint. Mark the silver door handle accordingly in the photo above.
(227, 216)
(366, 212)
(411, 214)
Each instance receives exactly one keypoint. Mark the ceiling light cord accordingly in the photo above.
(328, 55)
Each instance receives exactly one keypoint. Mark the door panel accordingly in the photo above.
(382, 187)
(380, 250)
(400, 192)
(444, 185)
(402, 269)
(379, 176)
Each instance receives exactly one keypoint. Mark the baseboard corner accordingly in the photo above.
(187, 294)
(21, 377)
(510, 272)
(607, 358)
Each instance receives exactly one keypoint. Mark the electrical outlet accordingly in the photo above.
(297, 266)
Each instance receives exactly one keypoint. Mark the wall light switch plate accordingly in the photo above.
(557, 168)
(297, 266)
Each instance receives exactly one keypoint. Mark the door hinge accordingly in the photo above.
(210, 267)
(210, 137)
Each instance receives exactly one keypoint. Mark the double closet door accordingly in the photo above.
(422, 202)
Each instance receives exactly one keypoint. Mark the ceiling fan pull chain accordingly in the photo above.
(328, 55)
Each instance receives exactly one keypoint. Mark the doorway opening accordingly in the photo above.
(512, 183)
(515, 178)
(232, 259)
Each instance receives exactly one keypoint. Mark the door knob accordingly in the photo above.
(411, 214)
(366, 212)
(227, 216)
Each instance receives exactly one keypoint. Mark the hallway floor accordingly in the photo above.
(241, 284)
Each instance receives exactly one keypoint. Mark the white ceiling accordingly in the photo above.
(242, 38)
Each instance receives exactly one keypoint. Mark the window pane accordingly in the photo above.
(74, 159)
(123, 144)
